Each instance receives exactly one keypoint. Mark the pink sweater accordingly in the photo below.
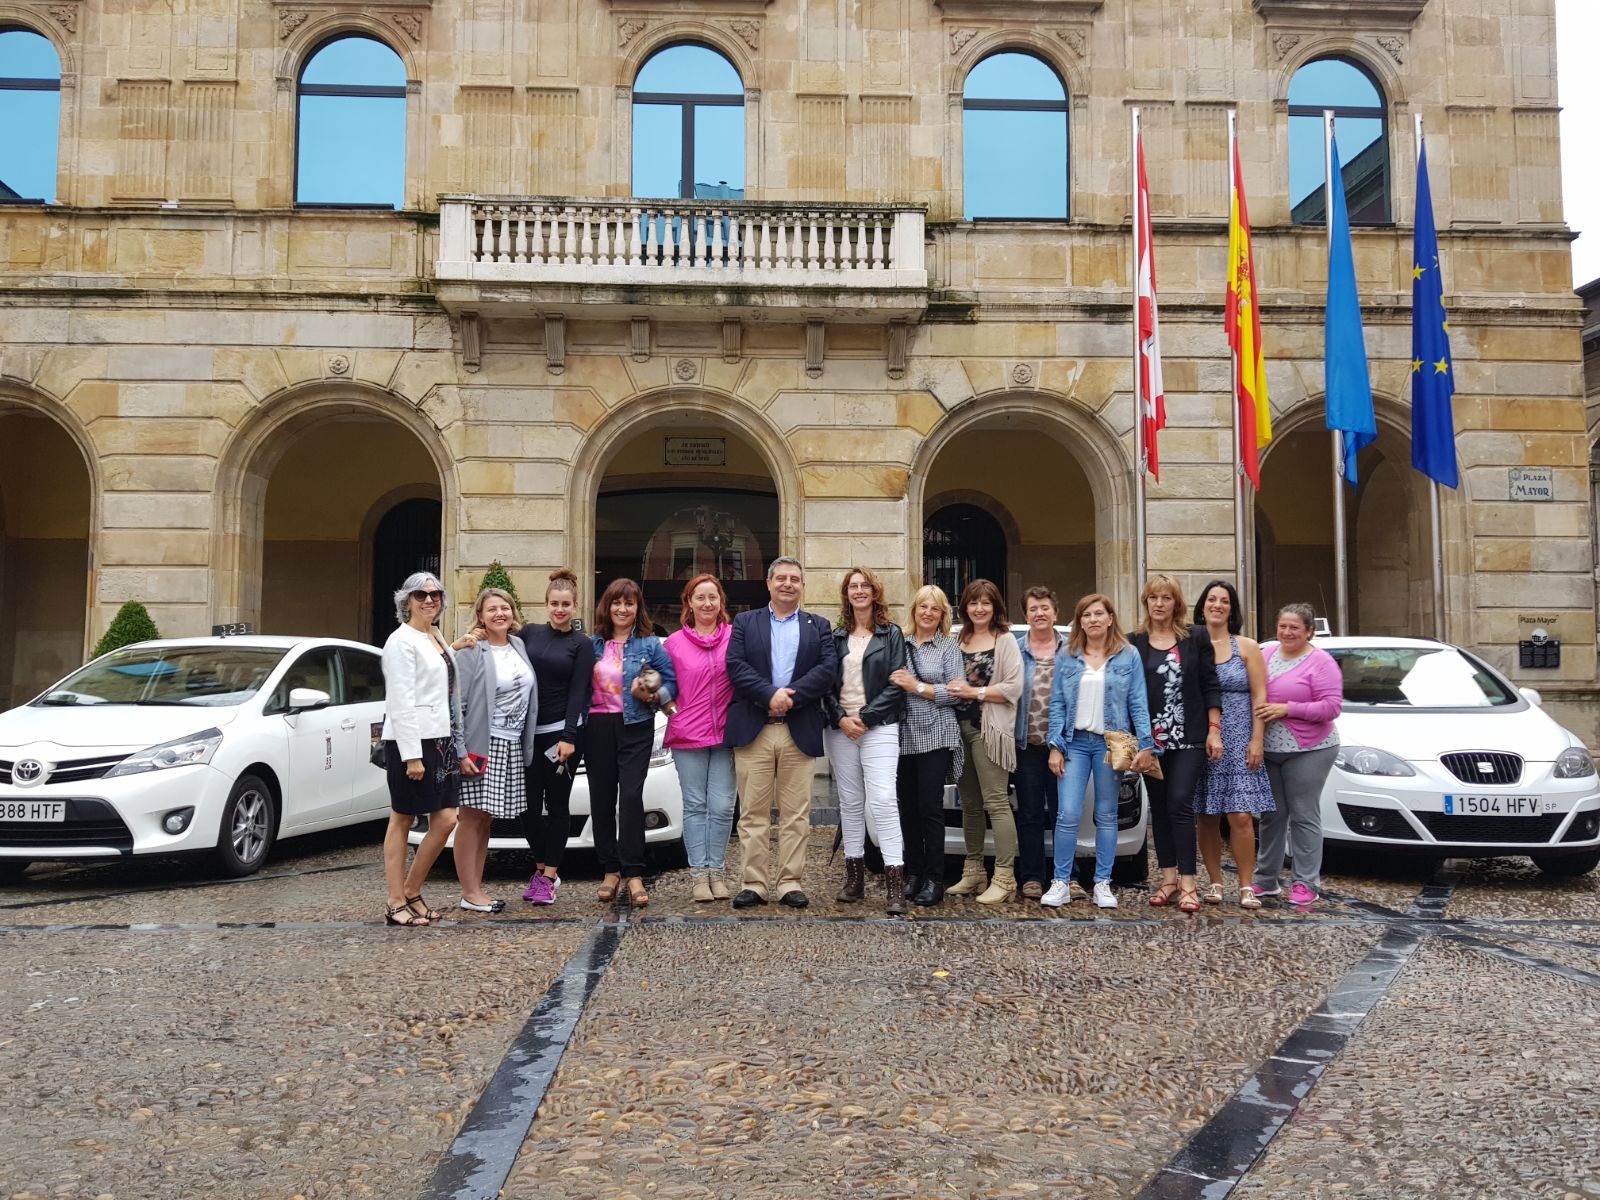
(1314, 691)
(704, 689)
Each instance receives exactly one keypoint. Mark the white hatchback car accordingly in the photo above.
(218, 745)
(1443, 756)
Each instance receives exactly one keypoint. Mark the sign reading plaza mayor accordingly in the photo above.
(1533, 483)
(697, 452)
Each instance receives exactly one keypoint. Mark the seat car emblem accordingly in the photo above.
(29, 770)
(1485, 768)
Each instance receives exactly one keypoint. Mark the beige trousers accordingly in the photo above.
(772, 769)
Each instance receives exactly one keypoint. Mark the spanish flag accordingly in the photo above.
(1244, 334)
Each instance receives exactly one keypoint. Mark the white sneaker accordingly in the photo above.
(1058, 895)
(1104, 897)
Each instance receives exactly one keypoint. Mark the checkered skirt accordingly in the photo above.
(502, 790)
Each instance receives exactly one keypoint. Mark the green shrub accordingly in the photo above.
(496, 576)
(131, 624)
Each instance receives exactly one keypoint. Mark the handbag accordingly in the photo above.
(1122, 749)
(378, 756)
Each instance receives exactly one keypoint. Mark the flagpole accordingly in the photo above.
(1435, 506)
(1341, 563)
(1140, 563)
(1247, 598)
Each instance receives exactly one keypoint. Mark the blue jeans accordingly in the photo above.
(1086, 758)
(706, 779)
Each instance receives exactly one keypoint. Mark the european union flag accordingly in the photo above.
(1347, 387)
(1433, 376)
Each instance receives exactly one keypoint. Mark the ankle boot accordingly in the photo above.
(913, 883)
(894, 884)
(855, 881)
(930, 893)
(973, 878)
(1002, 887)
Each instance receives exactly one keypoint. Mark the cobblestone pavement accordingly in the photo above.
(168, 1035)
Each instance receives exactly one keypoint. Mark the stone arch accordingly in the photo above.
(1080, 432)
(43, 22)
(260, 443)
(305, 41)
(1342, 45)
(655, 38)
(52, 576)
(1074, 76)
(662, 408)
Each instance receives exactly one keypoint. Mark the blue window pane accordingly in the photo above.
(352, 150)
(356, 60)
(1015, 164)
(1365, 169)
(1332, 83)
(1009, 76)
(719, 152)
(1307, 163)
(657, 150)
(689, 69)
(26, 55)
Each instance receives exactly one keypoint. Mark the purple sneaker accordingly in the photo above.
(540, 889)
(1302, 896)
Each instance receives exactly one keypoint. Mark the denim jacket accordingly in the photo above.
(1127, 710)
(637, 653)
(1028, 662)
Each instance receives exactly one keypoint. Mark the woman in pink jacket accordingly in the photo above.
(699, 653)
(1305, 691)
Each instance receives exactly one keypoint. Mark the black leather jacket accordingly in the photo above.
(886, 702)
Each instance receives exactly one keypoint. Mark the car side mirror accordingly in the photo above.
(303, 699)
(1532, 697)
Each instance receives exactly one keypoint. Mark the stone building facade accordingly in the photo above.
(233, 406)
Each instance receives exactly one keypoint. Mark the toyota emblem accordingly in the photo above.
(29, 770)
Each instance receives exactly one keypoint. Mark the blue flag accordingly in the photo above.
(1346, 384)
(1433, 376)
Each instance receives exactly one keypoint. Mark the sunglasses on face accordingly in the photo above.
(428, 597)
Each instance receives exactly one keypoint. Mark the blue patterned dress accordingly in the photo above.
(1230, 786)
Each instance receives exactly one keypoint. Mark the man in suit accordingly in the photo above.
(782, 662)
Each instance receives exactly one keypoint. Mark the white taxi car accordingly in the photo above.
(1442, 755)
(219, 744)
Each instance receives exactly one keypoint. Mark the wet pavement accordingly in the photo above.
(1422, 1032)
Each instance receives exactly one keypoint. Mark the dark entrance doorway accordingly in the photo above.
(407, 540)
(961, 543)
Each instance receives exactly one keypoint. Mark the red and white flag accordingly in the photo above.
(1152, 394)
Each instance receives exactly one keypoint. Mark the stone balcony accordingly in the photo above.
(674, 259)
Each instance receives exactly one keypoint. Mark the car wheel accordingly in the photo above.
(1132, 870)
(1567, 866)
(249, 827)
(11, 869)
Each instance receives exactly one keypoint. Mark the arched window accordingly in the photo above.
(30, 114)
(688, 126)
(960, 543)
(352, 126)
(1360, 120)
(1014, 139)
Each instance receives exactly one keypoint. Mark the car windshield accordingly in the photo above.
(205, 676)
(1419, 677)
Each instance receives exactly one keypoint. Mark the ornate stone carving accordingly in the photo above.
(895, 351)
(1076, 40)
(65, 16)
(1395, 47)
(816, 347)
(629, 28)
(338, 364)
(1022, 374)
(290, 19)
(959, 38)
(471, 342)
(749, 33)
(685, 369)
(410, 24)
(639, 339)
(555, 343)
(1282, 43)
(732, 335)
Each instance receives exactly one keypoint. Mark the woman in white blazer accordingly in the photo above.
(424, 750)
(499, 716)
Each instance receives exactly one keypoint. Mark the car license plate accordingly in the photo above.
(33, 810)
(1498, 806)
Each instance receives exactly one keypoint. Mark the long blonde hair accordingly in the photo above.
(1115, 638)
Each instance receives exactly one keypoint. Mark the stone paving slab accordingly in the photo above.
(1514, 887)
(1473, 1079)
(253, 1063)
(805, 1059)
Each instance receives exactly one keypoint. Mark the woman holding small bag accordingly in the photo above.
(1098, 694)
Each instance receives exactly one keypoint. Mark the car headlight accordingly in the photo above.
(660, 756)
(1574, 763)
(180, 752)
(1369, 760)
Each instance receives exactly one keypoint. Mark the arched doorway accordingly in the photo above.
(347, 503)
(1386, 535)
(1018, 504)
(678, 500)
(45, 504)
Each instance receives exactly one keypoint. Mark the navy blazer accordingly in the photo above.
(816, 671)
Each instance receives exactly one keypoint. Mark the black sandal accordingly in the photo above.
(390, 917)
(427, 914)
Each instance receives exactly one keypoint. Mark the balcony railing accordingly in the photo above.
(678, 242)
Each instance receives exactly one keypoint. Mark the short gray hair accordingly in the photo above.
(784, 560)
(416, 582)
(1307, 615)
